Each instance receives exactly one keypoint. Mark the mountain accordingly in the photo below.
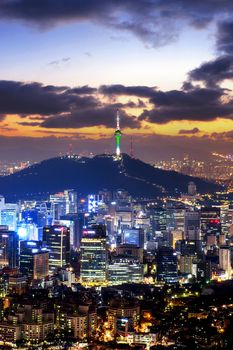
(89, 175)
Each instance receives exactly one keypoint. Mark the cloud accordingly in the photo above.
(216, 71)
(60, 61)
(200, 104)
(62, 106)
(118, 89)
(35, 98)
(156, 22)
(225, 37)
(29, 123)
(227, 135)
(189, 132)
(101, 116)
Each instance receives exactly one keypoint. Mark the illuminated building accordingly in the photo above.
(8, 248)
(93, 255)
(130, 251)
(27, 231)
(94, 202)
(123, 309)
(118, 137)
(8, 216)
(57, 241)
(166, 261)
(37, 331)
(58, 205)
(71, 198)
(192, 225)
(158, 221)
(78, 325)
(225, 260)
(226, 213)
(177, 235)
(9, 334)
(17, 284)
(210, 223)
(133, 236)
(33, 261)
(187, 264)
(175, 219)
(123, 269)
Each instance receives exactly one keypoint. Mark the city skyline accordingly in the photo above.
(66, 67)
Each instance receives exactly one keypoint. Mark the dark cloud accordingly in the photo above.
(32, 98)
(199, 104)
(225, 37)
(83, 90)
(189, 132)
(101, 116)
(118, 89)
(29, 123)
(155, 21)
(227, 135)
(214, 72)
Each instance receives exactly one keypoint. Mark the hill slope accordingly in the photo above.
(89, 175)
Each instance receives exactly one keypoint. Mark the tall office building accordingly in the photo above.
(166, 265)
(210, 223)
(57, 241)
(175, 219)
(125, 269)
(33, 260)
(225, 260)
(158, 221)
(71, 199)
(134, 236)
(8, 247)
(192, 225)
(93, 255)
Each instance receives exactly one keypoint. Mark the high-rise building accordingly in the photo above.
(166, 265)
(175, 219)
(93, 255)
(57, 241)
(210, 223)
(33, 260)
(192, 225)
(125, 269)
(8, 247)
(225, 260)
(133, 236)
(158, 220)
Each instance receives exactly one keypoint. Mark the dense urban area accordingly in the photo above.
(109, 271)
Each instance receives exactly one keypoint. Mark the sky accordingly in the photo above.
(66, 66)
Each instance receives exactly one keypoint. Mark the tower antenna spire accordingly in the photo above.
(118, 120)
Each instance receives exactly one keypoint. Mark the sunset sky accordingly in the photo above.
(66, 66)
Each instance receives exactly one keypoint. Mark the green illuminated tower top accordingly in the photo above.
(118, 137)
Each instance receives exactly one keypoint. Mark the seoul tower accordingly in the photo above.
(118, 136)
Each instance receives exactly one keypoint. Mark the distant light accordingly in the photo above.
(22, 232)
(33, 244)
